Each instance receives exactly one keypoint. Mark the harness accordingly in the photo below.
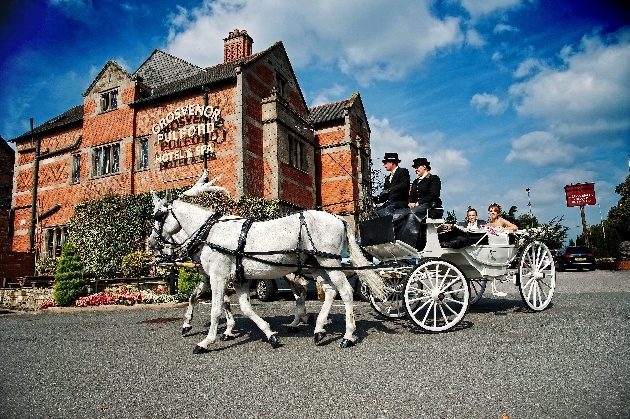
(198, 239)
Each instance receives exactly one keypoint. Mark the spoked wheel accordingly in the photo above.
(537, 276)
(477, 287)
(393, 306)
(436, 295)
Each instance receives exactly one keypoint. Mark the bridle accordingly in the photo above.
(160, 217)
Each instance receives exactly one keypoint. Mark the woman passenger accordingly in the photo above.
(495, 223)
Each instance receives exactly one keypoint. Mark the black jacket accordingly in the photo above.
(426, 190)
(398, 188)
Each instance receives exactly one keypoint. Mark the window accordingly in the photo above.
(360, 128)
(106, 159)
(109, 101)
(54, 239)
(143, 162)
(297, 154)
(281, 84)
(76, 168)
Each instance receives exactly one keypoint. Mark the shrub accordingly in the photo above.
(46, 266)
(136, 264)
(188, 280)
(67, 292)
(69, 277)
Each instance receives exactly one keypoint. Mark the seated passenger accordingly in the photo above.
(472, 223)
(496, 224)
(425, 194)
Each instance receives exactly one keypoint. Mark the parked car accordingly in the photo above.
(575, 257)
(267, 289)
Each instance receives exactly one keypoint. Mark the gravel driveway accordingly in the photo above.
(570, 361)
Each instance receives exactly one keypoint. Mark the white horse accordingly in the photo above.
(297, 283)
(235, 249)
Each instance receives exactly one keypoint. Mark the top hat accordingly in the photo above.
(391, 157)
(421, 161)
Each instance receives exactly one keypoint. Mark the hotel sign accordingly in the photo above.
(179, 135)
(580, 194)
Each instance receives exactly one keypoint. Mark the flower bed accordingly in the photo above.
(124, 295)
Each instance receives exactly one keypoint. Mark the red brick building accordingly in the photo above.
(151, 129)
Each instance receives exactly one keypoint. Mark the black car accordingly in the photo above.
(575, 257)
(267, 289)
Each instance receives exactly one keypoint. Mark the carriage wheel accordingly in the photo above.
(537, 276)
(436, 295)
(477, 287)
(393, 306)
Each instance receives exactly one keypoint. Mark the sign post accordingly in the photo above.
(579, 195)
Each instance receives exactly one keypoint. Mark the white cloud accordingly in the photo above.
(491, 104)
(502, 27)
(333, 94)
(75, 9)
(366, 41)
(542, 148)
(474, 38)
(527, 67)
(588, 94)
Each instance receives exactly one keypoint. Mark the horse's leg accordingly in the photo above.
(217, 284)
(242, 293)
(340, 281)
(188, 316)
(299, 292)
(329, 292)
(229, 317)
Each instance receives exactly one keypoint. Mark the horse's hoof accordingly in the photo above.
(274, 341)
(185, 330)
(346, 343)
(225, 337)
(200, 350)
(318, 337)
(292, 329)
(311, 320)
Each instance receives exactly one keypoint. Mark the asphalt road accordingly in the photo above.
(570, 361)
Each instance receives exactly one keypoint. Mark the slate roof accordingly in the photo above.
(329, 112)
(71, 116)
(163, 68)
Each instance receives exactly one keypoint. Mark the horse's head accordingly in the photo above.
(165, 225)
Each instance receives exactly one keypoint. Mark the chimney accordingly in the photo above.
(236, 46)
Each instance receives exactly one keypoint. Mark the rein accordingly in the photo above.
(197, 240)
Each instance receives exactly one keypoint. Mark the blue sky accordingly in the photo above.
(500, 95)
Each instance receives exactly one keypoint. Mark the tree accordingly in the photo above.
(527, 220)
(69, 277)
(451, 218)
(604, 245)
(619, 215)
(510, 215)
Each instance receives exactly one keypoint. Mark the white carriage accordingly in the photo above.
(436, 286)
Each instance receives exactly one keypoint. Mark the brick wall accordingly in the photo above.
(15, 265)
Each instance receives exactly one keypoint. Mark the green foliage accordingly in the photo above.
(70, 266)
(619, 215)
(67, 292)
(107, 229)
(136, 264)
(451, 218)
(188, 280)
(604, 245)
(510, 215)
(69, 277)
(571, 242)
(245, 206)
(527, 220)
(46, 266)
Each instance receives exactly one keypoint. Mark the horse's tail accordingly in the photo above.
(368, 276)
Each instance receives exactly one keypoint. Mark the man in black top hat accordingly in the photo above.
(395, 192)
(424, 194)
